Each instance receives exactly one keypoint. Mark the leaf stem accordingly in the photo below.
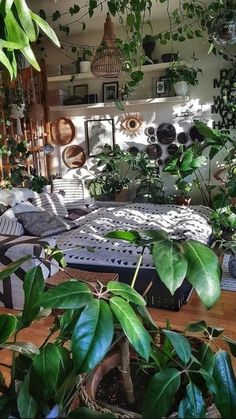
(137, 268)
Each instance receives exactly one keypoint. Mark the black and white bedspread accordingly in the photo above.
(87, 245)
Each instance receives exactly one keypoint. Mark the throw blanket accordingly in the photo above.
(87, 243)
(13, 248)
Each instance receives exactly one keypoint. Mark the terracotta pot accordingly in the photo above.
(183, 200)
(122, 196)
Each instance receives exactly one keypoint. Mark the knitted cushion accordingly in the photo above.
(10, 226)
(72, 191)
(52, 203)
(43, 223)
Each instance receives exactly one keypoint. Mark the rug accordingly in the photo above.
(228, 283)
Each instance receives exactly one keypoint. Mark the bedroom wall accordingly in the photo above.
(199, 107)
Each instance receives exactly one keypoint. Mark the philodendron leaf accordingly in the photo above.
(27, 406)
(71, 294)
(8, 325)
(92, 335)
(129, 236)
(25, 348)
(12, 267)
(232, 344)
(207, 358)
(161, 389)
(131, 325)
(86, 413)
(210, 382)
(52, 365)
(203, 271)
(193, 405)
(33, 287)
(215, 331)
(29, 55)
(180, 344)
(46, 28)
(200, 326)
(225, 398)
(155, 234)
(125, 291)
(24, 16)
(172, 273)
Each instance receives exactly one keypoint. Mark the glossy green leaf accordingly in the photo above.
(4, 60)
(86, 413)
(232, 344)
(193, 405)
(206, 358)
(131, 325)
(29, 55)
(155, 234)
(172, 273)
(147, 319)
(12, 267)
(92, 335)
(27, 406)
(210, 382)
(200, 326)
(203, 271)
(8, 325)
(129, 236)
(159, 396)
(33, 287)
(215, 331)
(25, 348)
(225, 398)
(180, 344)
(52, 366)
(46, 28)
(187, 160)
(71, 294)
(25, 19)
(125, 291)
(14, 31)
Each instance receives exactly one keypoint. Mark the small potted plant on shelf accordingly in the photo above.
(148, 44)
(181, 76)
(85, 62)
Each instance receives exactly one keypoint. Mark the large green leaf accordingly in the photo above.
(193, 405)
(71, 294)
(8, 325)
(203, 271)
(33, 287)
(207, 358)
(92, 335)
(180, 344)
(195, 327)
(172, 273)
(46, 28)
(25, 19)
(187, 160)
(5, 61)
(29, 55)
(161, 389)
(12, 267)
(131, 325)
(25, 348)
(52, 365)
(125, 291)
(129, 236)
(86, 413)
(225, 398)
(27, 406)
(14, 31)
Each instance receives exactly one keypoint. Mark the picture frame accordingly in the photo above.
(160, 87)
(168, 87)
(81, 90)
(99, 132)
(110, 91)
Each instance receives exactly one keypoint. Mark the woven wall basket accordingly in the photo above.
(74, 156)
(62, 131)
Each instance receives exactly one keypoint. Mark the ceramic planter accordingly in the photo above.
(183, 200)
(180, 88)
(122, 196)
(84, 66)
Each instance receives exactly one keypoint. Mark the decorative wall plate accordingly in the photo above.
(152, 139)
(182, 138)
(62, 131)
(166, 133)
(195, 134)
(131, 123)
(172, 148)
(74, 156)
(150, 131)
(133, 150)
(154, 151)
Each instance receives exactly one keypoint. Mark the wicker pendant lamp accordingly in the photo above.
(108, 61)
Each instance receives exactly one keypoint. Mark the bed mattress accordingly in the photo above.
(87, 244)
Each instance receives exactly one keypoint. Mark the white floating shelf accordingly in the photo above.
(86, 76)
(110, 105)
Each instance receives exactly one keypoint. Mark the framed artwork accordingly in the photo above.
(168, 87)
(160, 87)
(110, 91)
(81, 90)
(98, 133)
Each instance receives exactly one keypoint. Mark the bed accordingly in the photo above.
(86, 246)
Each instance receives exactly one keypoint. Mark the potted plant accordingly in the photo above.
(148, 44)
(181, 76)
(85, 62)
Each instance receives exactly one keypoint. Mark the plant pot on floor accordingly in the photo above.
(122, 196)
(183, 200)
(180, 88)
(84, 66)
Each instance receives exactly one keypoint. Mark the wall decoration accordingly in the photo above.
(81, 90)
(154, 151)
(62, 131)
(182, 138)
(74, 156)
(172, 148)
(160, 87)
(166, 133)
(98, 133)
(131, 123)
(152, 139)
(195, 135)
(110, 91)
(227, 114)
(150, 130)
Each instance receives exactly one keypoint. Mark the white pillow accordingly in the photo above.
(72, 190)
(23, 207)
(53, 203)
(11, 197)
(10, 226)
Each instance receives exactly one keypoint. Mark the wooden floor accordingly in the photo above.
(222, 315)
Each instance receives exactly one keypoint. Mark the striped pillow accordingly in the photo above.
(10, 226)
(72, 191)
(52, 203)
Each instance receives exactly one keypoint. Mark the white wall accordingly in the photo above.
(199, 105)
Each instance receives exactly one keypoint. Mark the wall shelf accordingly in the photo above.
(86, 76)
(110, 105)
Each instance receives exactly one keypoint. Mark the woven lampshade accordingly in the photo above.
(108, 61)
